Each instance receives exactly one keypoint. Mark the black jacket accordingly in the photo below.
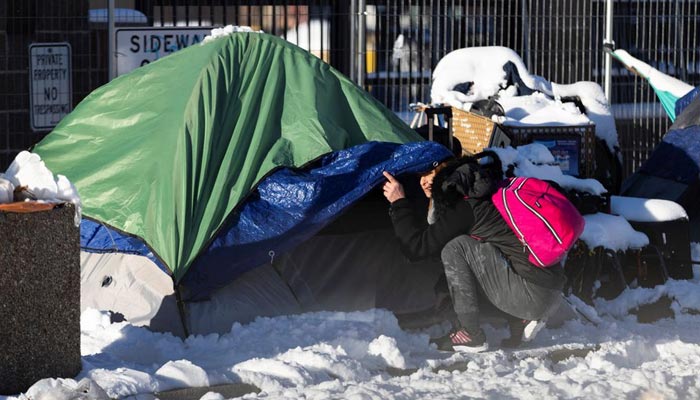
(476, 217)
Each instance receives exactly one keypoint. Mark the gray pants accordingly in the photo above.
(472, 266)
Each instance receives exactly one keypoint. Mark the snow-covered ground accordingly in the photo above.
(365, 355)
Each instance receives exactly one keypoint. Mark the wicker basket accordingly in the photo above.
(476, 132)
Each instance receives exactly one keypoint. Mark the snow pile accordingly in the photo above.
(274, 354)
(656, 78)
(467, 75)
(611, 232)
(27, 178)
(486, 63)
(225, 31)
(646, 210)
(535, 160)
(65, 389)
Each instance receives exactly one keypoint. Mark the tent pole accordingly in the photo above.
(181, 309)
(609, 43)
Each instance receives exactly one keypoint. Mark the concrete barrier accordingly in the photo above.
(39, 294)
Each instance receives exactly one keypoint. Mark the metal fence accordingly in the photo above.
(389, 47)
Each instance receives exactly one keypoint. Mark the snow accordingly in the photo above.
(535, 160)
(646, 210)
(365, 355)
(611, 232)
(36, 182)
(656, 78)
(486, 63)
(483, 66)
(217, 33)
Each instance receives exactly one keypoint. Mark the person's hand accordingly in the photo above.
(393, 190)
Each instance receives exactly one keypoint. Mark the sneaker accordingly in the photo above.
(462, 341)
(522, 330)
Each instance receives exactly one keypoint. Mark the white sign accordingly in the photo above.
(49, 84)
(138, 46)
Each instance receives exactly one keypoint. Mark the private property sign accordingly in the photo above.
(49, 84)
(139, 46)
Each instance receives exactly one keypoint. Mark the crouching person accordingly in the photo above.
(481, 255)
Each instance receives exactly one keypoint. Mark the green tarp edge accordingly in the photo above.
(166, 152)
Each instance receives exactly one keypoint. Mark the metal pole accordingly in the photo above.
(525, 21)
(353, 40)
(110, 41)
(361, 45)
(608, 42)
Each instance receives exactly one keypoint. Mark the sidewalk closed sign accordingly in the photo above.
(49, 84)
(138, 46)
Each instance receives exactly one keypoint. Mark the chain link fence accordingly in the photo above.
(389, 47)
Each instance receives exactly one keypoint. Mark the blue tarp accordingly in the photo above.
(286, 208)
(677, 157)
(685, 101)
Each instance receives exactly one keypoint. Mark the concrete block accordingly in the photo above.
(39, 294)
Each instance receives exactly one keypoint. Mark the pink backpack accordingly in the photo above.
(543, 219)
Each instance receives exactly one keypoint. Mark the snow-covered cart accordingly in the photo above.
(566, 134)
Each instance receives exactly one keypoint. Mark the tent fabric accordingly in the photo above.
(285, 209)
(672, 171)
(677, 157)
(292, 205)
(685, 101)
(667, 89)
(690, 116)
(167, 152)
(98, 238)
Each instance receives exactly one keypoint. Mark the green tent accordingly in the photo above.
(166, 152)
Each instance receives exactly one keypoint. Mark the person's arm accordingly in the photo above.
(421, 241)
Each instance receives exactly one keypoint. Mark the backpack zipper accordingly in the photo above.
(512, 222)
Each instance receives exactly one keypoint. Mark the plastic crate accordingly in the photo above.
(584, 134)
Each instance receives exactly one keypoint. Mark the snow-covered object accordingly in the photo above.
(597, 108)
(611, 232)
(535, 160)
(7, 190)
(656, 78)
(65, 389)
(484, 67)
(646, 210)
(225, 31)
(27, 171)
(538, 109)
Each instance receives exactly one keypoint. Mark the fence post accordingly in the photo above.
(608, 41)
(353, 40)
(361, 46)
(110, 41)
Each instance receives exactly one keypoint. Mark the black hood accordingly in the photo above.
(465, 178)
